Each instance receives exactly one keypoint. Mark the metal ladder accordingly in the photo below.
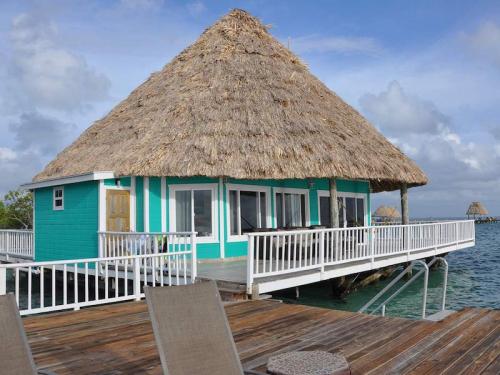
(425, 271)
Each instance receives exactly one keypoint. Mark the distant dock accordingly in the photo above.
(487, 220)
(118, 339)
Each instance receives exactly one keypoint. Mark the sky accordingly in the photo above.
(425, 73)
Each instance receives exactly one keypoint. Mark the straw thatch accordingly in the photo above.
(236, 103)
(477, 208)
(387, 212)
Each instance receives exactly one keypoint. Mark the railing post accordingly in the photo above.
(408, 237)
(322, 252)
(456, 234)
(194, 265)
(250, 254)
(372, 244)
(101, 250)
(137, 279)
(3, 281)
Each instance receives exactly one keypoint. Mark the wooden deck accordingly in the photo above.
(117, 339)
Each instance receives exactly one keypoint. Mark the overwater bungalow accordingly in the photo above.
(235, 140)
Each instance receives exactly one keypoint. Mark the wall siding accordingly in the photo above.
(154, 204)
(70, 233)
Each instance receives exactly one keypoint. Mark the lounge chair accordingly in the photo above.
(15, 352)
(191, 330)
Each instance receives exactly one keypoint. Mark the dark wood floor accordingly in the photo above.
(117, 339)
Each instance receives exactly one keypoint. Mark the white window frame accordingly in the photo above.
(54, 207)
(343, 195)
(292, 191)
(214, 238)
(239, 188)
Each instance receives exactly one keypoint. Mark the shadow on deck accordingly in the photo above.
(117, 339)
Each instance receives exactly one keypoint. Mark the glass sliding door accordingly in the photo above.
(193, 208)
(247, 209)
(351, 210)
(291, 209)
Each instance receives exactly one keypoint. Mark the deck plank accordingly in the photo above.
(118, 339)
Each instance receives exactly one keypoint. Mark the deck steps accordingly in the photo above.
(230, 291)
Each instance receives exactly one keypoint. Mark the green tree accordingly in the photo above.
(3, 216)
(18, 209)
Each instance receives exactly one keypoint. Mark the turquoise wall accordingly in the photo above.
(155, 204)
(70, 233)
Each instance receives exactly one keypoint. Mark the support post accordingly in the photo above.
(3, 281)
(405, 217)
(334, 206)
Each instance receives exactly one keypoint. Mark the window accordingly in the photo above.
(193, 209)
(58, 198)
(292, 208)
(351, 209)
(247, 209)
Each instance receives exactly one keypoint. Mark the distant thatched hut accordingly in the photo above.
(475, 209)
(234, 134)
(387, 213)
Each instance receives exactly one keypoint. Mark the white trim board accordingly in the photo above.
(146, 203)
(70, 180)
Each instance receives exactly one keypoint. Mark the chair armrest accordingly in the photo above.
(45, 372)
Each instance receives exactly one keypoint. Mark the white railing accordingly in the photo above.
(70, 284)
(284, 252)
(119, 244)
(17, 243)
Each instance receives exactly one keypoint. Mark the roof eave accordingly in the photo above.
(93, 176)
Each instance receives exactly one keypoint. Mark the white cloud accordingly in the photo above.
(42, 74)
(40, 134)
(37, 138)
(459, 169)
(336, 44)
(6, 154)
(485, 41)
(399, 112)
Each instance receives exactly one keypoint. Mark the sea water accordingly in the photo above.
(473, 280)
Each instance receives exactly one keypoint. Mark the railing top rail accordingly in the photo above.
(28, 231)
(149, 233)
(93, 260)
(318, 230)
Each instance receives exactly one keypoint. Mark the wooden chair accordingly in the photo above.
(15, 352)
(191, 330)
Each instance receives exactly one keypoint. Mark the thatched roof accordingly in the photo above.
(477, 208)
(387, 212)
(236, 103)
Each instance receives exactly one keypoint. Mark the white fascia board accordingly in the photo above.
(103, 175)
